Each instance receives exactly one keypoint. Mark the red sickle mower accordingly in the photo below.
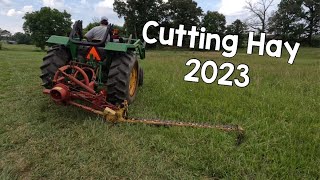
(101, 77)
(68, 89)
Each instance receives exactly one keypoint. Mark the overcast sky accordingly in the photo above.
(12, 11)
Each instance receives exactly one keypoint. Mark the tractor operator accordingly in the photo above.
(97, 33)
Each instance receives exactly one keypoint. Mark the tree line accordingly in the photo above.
(40, 25)
(18, 37)
(297, 20)
(293, 20)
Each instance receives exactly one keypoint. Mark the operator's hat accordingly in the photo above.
(103, 18)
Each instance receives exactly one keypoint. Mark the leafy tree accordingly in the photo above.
(138, 12)
(184, 12)
(286, 21)
(181, 12)
(21, 38)
(46, 22)
(311, 14)
(214, 22)
(296, 19)
(238, 28)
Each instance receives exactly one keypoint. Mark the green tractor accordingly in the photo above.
(101, 77)
(92, 75)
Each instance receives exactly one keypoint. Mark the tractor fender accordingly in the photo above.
(61, 40)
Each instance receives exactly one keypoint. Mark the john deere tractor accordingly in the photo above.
(92, 75)
(101, 77)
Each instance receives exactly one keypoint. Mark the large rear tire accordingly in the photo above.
(123, 78)
(57, 56)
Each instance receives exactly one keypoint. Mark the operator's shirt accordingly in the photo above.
(96, 33)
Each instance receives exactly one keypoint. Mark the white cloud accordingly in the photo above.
(105, 8)
(57, 4)
(49, 3)
(236, 9)
(83, 1)
(109, 3)
(5, 2)
(232, 7)
(27, 9)
(105, 4)
(14, 12)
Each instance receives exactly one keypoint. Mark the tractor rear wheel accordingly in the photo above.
(123, 78)
(56, 57)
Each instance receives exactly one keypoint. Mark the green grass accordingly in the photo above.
(280, 111)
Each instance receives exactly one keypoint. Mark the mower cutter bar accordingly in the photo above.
(227, 128)
(118, 117)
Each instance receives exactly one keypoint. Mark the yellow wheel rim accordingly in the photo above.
(133, 81)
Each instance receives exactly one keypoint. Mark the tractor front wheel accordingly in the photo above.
(123, 78)
(57, 57)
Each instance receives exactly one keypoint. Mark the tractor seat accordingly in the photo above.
(96, 40)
